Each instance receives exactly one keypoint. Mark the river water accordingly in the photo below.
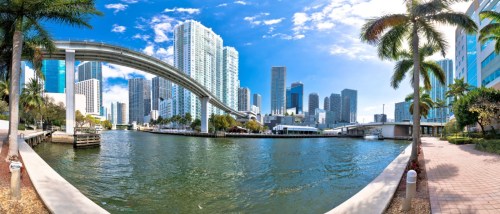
(137, 172)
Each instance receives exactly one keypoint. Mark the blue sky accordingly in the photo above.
(318, 42)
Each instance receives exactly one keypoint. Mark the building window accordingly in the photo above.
(488, 59)
(491, 77)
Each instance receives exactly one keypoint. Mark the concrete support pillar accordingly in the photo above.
(70, 91)
(204, 114)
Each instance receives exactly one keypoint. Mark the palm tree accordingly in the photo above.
(490, 32)
(4, 90)
(389, 32)
(405, 65)
(458, 89)
(425, 103)
(76, 13)
(32, 98)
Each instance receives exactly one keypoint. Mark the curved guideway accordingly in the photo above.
(142, 172)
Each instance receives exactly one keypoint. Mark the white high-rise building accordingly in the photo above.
(278, 90)
(90, 88)
(230, 77)
(165, 108)
(114, 113)
(198, 52)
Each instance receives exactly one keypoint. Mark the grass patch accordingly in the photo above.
(492, 146)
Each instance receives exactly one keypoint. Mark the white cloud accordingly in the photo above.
(117, 7)
(241, 2)
(251, 20)
(166, 55)
(130, 1)
(325, 25)
(183, 10)
(118, 28)
(162, 26)
(142, 37)
(273, 21)
(113, 94)
(222, 5)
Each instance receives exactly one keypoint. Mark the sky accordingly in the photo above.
(317, 40)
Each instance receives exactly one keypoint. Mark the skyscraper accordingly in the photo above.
(121, 113)
(438, 92)
(244, 99)
(230, 76)
(349, 105)
(139, 99)
(313, 102)
(90, 88)
(55, 76)
(198, 52)
(114, 113)
(92, 70)
(402, 112)
(278, 90)
(294, 97)
(257, 101)
(475, 62)
(161, 89)
(326, 104)
(335, 107)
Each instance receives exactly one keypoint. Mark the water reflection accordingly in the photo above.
(142, 172)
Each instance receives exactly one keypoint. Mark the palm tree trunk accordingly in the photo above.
(14, 89)
(416, 95)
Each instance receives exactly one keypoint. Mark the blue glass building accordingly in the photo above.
(294, 97)
(55, 75)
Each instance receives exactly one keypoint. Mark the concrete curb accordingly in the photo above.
(377, 195)
(56, 193)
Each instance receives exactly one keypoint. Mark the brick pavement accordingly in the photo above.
(461, 179)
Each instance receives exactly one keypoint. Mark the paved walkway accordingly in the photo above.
(461, 179)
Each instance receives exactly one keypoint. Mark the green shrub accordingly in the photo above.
(4, 117)
(21, 127)
(492, 146)
(459, 140)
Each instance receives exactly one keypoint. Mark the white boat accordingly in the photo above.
(374, 136)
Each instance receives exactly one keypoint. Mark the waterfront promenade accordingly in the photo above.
(461, 179)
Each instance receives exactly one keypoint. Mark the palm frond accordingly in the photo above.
(490, 29)
(434, 37)
(373, 28)
(493, 15)
(401, 68)
(391, 42)
(456, 19)
(436, 70)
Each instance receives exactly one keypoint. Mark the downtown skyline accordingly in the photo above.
(325, 57)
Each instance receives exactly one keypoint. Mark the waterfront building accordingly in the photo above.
(139, 99)
(55, 76)
(380, 118)
(90, 88)
(114, 113)
(154, 114)
(313, 102)
(255, 109)
(230, 72)
(349, 105)
(320, 116)
(402, 112)
(438, 92)
(165, 108)
(121, 113)
(244, 99)
(477, 63)
(278, 90)
(58, 98)
(199, 53)
(294, 97)
(335, 107)
(257, 101)
(92, 70)
(326, 104)
(161, 89)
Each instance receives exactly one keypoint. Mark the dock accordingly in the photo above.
(86, 137)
